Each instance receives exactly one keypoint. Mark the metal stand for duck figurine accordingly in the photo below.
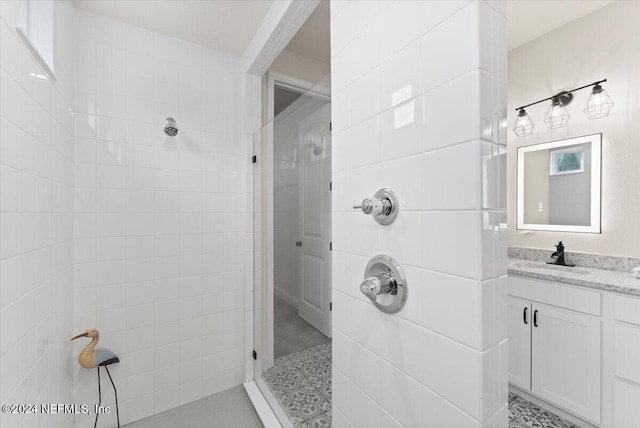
(115, 392)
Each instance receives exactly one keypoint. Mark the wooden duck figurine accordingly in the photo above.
(91, 358)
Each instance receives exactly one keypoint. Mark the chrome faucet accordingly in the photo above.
(557, 258)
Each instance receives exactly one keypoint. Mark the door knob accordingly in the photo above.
(383, 206)
(385, 284)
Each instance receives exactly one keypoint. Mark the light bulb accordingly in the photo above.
(557, 115)
(524, 125)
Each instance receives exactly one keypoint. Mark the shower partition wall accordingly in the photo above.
(292, 214)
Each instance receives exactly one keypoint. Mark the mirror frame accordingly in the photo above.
(596, 173)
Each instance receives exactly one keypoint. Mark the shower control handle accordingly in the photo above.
(374, 206)
(383, 283)
(370, 287)
(383, 276)
(383, 207)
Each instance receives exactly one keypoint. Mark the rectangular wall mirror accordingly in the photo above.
(559, 185)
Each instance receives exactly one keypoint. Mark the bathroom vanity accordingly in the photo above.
(574, 340)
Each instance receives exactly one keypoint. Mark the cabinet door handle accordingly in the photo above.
(524, 315)
(535, 318)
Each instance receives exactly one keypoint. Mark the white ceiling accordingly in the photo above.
(226, 25)
(229, 25)
(530, 19)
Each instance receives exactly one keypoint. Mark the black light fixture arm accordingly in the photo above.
(563, 92)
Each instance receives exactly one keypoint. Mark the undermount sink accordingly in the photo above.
(554, 267)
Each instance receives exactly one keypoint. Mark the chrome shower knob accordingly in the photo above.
(383, 206)
(379, 284)
(384, 277)
(374, 206)
(370, 287)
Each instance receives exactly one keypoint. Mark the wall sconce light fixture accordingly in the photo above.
(599, 105)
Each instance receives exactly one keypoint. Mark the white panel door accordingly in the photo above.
(519, 320)
(566, 360)
(315, 219)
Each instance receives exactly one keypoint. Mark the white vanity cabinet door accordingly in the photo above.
(626, 366)
(566, 348)
(520, 343)
(626, 411)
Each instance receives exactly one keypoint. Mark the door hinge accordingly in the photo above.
(330, 306)
(255, 355)
(330, 186)
(254, 159)
(330, 126)
(330, 246)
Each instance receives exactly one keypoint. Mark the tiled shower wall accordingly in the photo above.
(159, 222)
(36, 221)
(418, 106)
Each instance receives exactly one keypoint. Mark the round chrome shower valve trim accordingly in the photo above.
(385, 284)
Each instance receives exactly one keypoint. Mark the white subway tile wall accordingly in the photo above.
(419, 107)
(159, 225)
(36, 221)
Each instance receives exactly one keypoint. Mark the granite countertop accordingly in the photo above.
(608, 280)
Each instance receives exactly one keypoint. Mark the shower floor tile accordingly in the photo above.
(301, 382)
(226, 409)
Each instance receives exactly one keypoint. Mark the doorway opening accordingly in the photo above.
(301, 220)
(295, 362)
(292, 224)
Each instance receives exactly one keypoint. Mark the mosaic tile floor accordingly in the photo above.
(524, 414)
(301, 382)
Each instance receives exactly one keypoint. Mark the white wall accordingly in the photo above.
(603, 44)
(418, 91)
(159, 225)
(36, 221)
(302, 67)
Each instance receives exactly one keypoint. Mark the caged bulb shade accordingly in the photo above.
(557, 115)
(524, 125)
(599, 103)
